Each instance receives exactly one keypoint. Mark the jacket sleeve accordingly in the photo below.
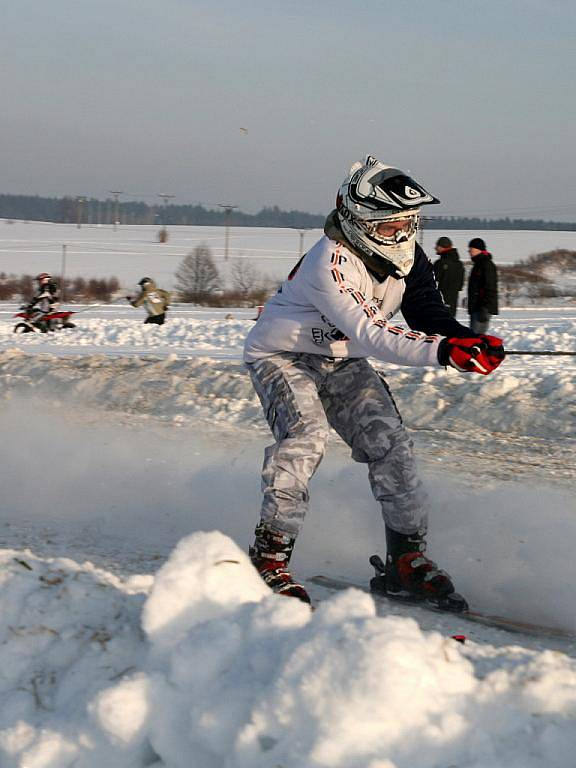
(422, 304)
(490, 298)
(54, 292)
(333, 288)
(139, 300)
(461, 274)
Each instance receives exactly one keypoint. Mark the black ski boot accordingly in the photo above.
(270, 555)
(411, 577)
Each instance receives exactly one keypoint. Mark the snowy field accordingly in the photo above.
(133, 630)
(131, 252)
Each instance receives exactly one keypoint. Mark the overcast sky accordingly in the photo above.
(268, 102)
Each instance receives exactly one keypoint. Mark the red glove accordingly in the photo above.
(480, 354)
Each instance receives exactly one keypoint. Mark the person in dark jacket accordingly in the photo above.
(482, 286)
(449, 273)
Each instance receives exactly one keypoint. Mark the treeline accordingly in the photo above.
(91, 211)
(66, 210)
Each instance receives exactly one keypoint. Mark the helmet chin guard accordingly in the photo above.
(373, 194)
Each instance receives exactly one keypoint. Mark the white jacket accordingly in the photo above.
(330, 305)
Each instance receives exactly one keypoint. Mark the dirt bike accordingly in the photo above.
(54, 320)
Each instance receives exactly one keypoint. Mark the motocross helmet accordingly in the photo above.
(379, 211)
(44, 278)
(145, 281)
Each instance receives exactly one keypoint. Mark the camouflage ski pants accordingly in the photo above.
(302, 395)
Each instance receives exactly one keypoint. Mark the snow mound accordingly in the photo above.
(67, 631)
(198, 583)
(230, 676)
(179, 334)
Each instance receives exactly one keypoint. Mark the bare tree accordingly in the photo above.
(245, 277)
(197, 275)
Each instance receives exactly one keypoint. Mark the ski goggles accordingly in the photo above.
(393, 229)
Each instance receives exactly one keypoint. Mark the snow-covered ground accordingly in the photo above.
(131, 252)
(133, 630)
(193, 370)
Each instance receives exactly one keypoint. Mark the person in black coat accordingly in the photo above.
(449, 273)
(482, 286)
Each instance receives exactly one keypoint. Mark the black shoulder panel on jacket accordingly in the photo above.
(422, 304)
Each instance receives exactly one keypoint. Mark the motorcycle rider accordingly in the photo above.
(44, 301)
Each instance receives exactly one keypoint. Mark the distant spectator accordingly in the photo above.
(449, 272)
(482, 286)
(154, 300)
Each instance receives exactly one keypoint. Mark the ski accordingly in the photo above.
(476, 617)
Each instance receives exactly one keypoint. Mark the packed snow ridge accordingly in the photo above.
(203, 667)
(191, 368)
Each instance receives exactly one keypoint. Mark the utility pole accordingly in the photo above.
(227, 211)
(116, 195)
(163, 236)
(63, 275)
(79, 201)
(165, 199)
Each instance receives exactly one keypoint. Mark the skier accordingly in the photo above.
(155, 300)
(449, 272)
(482, 286)
(307, 358)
